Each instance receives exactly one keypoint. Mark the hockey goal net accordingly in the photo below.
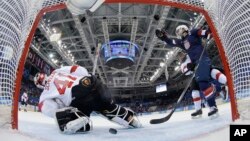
(228, 19)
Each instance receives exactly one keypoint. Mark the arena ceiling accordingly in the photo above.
(132, 22)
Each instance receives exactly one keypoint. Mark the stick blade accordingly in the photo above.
(160, 120)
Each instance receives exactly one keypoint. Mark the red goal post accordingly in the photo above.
(20, 19)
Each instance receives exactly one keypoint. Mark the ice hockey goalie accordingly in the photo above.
(71, 94)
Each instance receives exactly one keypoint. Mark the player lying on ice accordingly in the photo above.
(191, 43)
(218, 79)
(70, 95)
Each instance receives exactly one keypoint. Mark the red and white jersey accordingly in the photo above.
(184, 65)
(57, 90)
(24, 97)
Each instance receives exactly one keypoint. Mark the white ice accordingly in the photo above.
(33, 126)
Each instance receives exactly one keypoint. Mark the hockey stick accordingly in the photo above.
(179, 76)
(96, 58)
(166, 118)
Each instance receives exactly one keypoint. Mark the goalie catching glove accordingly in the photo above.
(70, 120)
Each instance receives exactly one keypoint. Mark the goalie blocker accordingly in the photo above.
(91, 95)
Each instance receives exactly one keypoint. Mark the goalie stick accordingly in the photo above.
(166, 118)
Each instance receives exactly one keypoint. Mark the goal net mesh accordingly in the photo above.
(230, 18)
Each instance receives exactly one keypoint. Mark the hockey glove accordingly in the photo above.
(161, 34)
(191, 66)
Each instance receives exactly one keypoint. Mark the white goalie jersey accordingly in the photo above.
(57, 91)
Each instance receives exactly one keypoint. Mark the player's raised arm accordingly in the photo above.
(162, 35)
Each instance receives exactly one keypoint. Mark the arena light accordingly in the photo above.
(54, 34)
(59, 42)
(166, 56)
(55, 37)
(176, 68)
(162, 64)
(51, 55)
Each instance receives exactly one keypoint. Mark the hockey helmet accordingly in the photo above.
(180, 30)
(40, 79)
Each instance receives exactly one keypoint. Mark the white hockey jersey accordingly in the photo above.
(57, 91)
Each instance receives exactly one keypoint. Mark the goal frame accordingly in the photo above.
(223, 57)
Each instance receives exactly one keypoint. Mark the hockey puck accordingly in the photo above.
(112, 131)
(156, 17)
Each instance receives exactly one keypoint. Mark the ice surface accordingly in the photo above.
(34, 126)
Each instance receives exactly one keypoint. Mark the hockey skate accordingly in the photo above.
(213, 113)
(224, 94)
(197, 114)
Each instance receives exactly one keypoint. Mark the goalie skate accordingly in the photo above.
(197, 114)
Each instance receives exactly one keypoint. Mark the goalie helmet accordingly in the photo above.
(40, 80)
(180, 30)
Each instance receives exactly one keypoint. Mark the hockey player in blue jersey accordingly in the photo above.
(191, 42)
(217, 78)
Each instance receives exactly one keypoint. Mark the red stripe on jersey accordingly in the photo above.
(202, 32)
(218, 75)
(199, 32)
(73, 68)
(196, 99)
(40, 105)
(208, 91)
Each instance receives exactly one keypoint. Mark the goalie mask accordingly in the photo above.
(180, 30)
(40, 80)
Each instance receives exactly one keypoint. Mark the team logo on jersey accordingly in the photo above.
(186, 44)
(86, 82)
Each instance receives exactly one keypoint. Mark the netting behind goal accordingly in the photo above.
(16, 20)
(228, 19)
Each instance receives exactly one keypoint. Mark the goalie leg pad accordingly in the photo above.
(122, 116)
(70, 120)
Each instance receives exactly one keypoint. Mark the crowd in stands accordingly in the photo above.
(32, 90)
(29, 86)
(156, 104)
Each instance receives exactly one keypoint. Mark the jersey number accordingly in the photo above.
(61, 85)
